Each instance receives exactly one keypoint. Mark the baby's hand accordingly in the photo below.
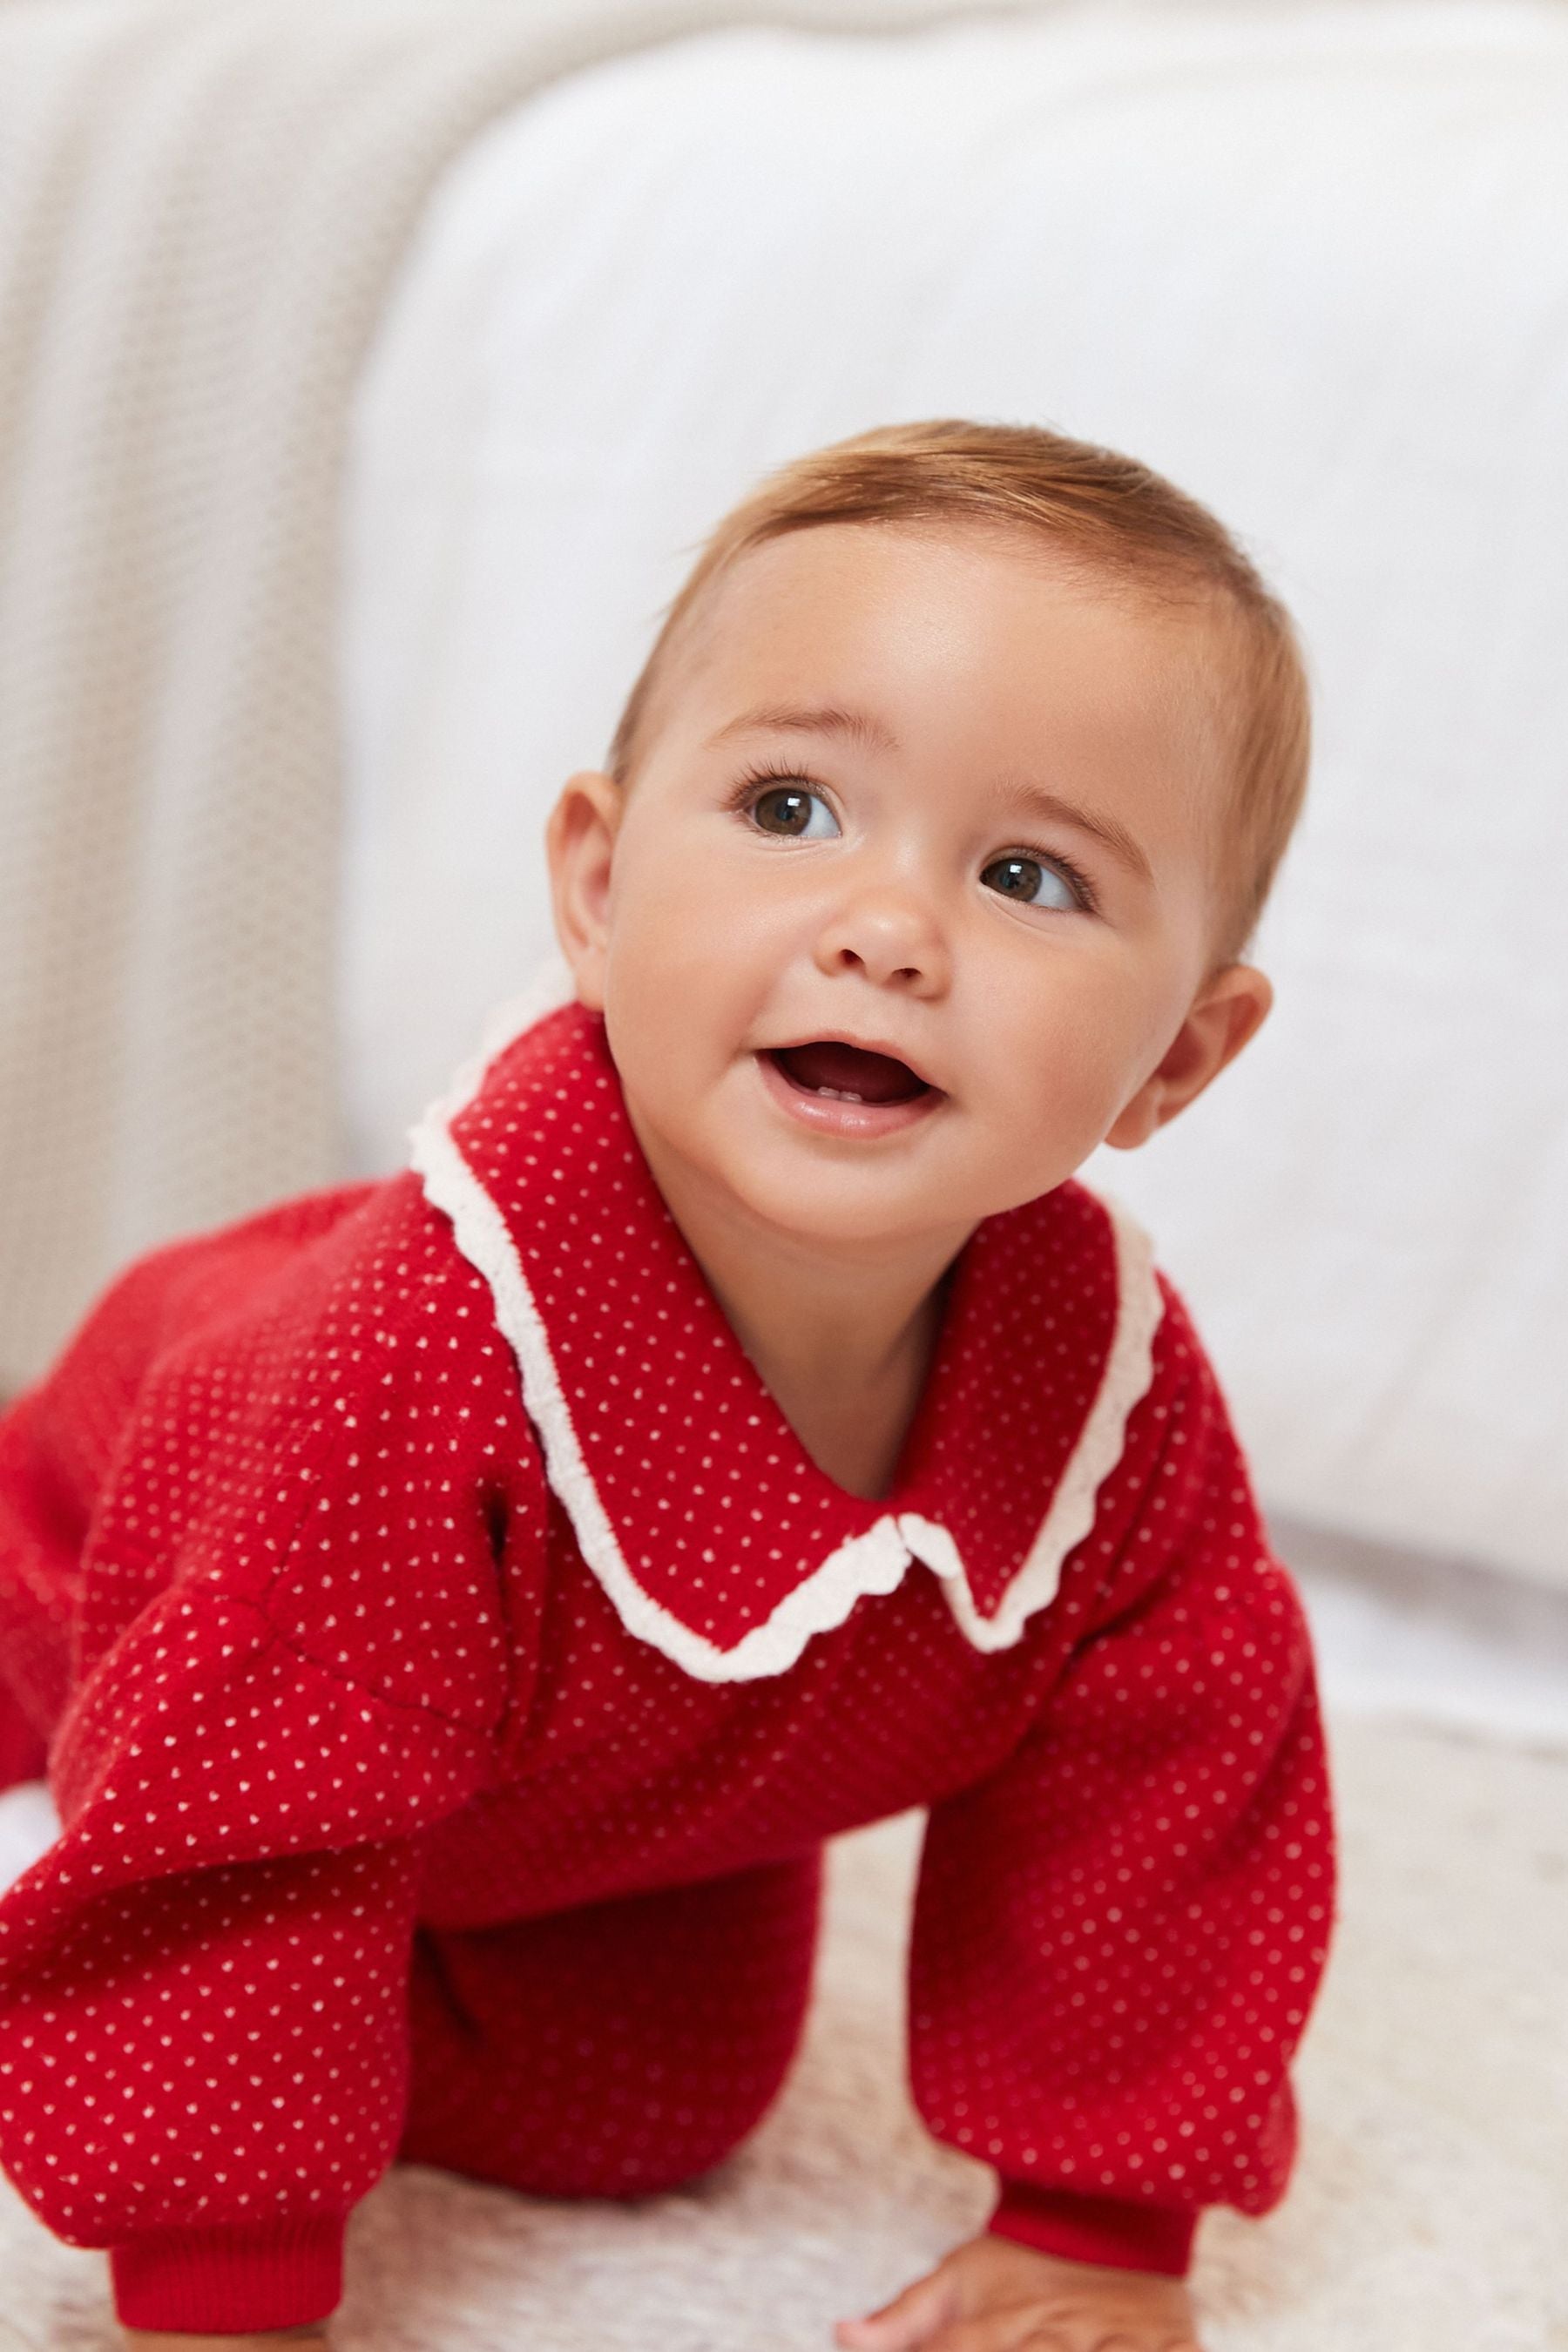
(993, 2294)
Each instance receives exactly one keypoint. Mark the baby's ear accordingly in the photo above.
(1230, 1007)
(579, 841)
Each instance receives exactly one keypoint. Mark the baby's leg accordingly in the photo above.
(614, 2050)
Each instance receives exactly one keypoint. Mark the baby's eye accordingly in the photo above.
(796, 810)
(1036, 884)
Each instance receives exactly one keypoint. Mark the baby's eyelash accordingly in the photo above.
(1080, 880)
(768, 772)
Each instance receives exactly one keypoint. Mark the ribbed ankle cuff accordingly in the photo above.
(232, 2281)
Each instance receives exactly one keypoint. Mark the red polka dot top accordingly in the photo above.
(427, 1556)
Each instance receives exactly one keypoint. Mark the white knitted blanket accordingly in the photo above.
(202, 203)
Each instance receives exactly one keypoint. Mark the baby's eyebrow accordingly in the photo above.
(1053, 810)
(809, 719)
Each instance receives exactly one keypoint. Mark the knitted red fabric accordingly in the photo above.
(1096, 2229)
(445, 1756)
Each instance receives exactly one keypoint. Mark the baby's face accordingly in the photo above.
(927, 795)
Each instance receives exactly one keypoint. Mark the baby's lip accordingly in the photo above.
(863, 1045)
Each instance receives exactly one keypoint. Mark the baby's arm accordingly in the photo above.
(283, 1683)
(1117, 1933)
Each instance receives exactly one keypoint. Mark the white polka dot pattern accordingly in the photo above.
(1119, 1933)
(373, 1804)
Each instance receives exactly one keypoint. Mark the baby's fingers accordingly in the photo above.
(998, 2331)
(909, 2320)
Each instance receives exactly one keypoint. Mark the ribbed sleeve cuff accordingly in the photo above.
(1107, 2230)
(230, 2282)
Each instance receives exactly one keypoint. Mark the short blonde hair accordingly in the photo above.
(1117, 520)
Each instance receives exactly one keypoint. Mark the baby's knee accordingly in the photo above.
(615, 2132)
(664, 2138)
(618, 2051)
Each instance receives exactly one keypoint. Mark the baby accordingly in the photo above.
(456, 1611)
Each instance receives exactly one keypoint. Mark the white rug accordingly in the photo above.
(1427, 2214)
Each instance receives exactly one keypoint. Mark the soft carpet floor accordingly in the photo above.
(1427, 2213)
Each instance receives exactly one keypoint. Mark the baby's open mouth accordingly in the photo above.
(847, 1073)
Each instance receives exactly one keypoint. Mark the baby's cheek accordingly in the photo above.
(1079, 1074)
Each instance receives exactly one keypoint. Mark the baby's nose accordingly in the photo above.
(890, 935)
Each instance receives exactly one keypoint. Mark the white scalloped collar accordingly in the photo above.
(714, 1534)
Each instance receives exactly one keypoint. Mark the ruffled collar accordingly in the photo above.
(714, 1532)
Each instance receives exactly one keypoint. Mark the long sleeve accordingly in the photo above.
(292, 1659)
(1118, 1934)
(238, 2013)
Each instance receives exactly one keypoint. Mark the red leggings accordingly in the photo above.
(617, 2049)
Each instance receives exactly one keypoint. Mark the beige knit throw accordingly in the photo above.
(202, 205)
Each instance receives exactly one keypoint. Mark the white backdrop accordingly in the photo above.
(1308, 261)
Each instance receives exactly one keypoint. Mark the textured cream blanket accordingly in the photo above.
(202, 203)
(1426, 2216)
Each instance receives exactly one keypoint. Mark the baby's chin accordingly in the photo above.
(835, 1203)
